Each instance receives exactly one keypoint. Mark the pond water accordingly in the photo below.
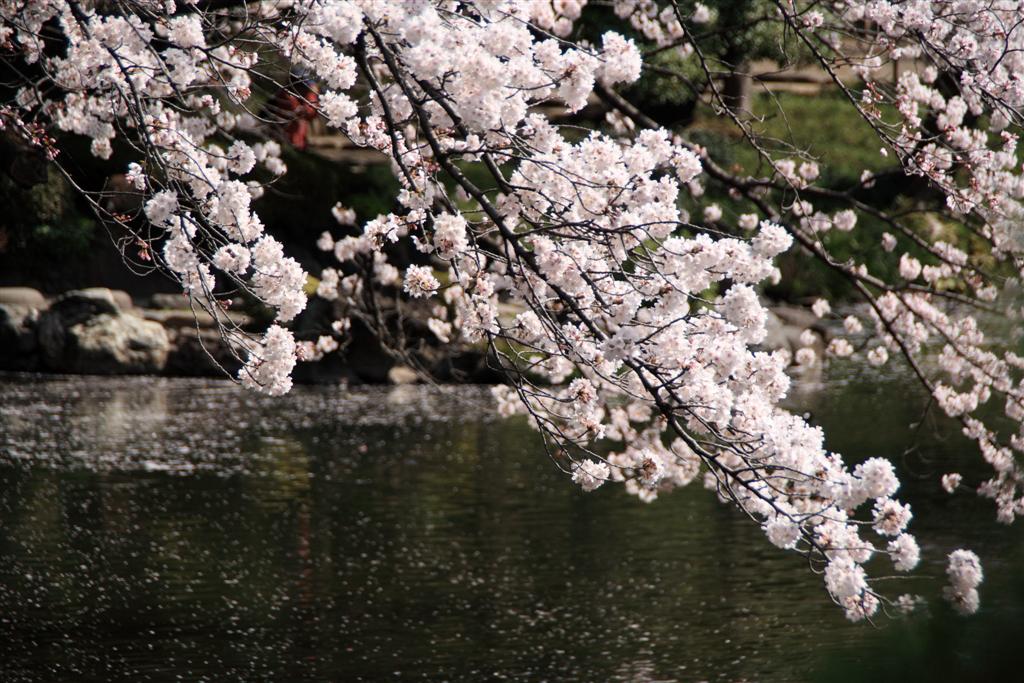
(154, 529)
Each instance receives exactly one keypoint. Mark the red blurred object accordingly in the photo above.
(294, 108)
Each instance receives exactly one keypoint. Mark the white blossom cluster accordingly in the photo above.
(965, 575)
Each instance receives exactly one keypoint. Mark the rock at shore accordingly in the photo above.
(19, 316)
(201, 353)
(22, 297)
(86, 331)
(785, 324)
(18, 346)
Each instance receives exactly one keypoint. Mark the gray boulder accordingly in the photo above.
(80, 304)
(85, 331)
(122, 299)
(201, 353)
(192, 320)
(800, 318)
(18, 345)
(785, 324)
(402, 374)
(169, 301)
(23, 297)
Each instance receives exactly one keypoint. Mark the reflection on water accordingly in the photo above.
(159, 528)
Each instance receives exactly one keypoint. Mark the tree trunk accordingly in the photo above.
(736, 91)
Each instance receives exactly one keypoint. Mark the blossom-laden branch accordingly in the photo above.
(634, 341)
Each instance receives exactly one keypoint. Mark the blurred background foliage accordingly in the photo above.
(43, 220)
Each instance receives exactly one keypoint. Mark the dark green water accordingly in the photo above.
(175, 529)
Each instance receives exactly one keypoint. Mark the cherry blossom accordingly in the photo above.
(631, 333)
